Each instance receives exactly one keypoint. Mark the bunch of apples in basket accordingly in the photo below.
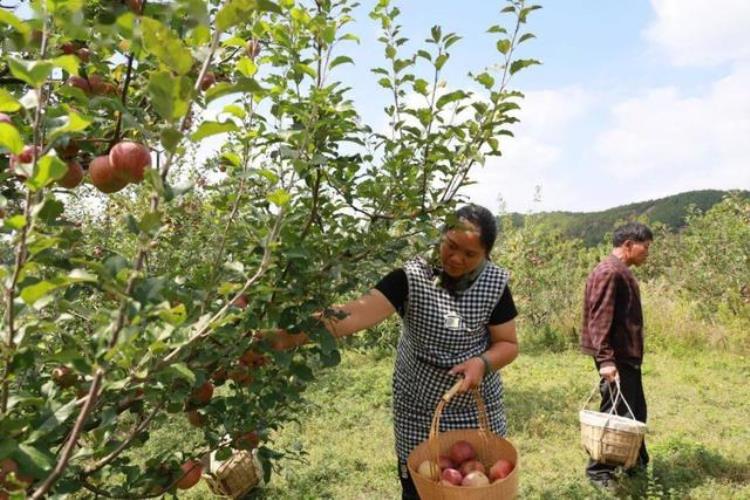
(461, 467)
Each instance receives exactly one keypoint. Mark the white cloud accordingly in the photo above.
(700, 32)
(533, 157)
(669, 142)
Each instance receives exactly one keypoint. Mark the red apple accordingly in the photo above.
(461, 451)
(471, 466)
(68, 47)
(104, 177)
(247, 441)
(68, 151)
(203, 393)
(446, 463)
(240, 301)
(241, 376)
(191, 474)
(136, 6)
(130, 160)
(83, 54)
(100, 86)
(500, 469)
(80, 82)
(196, 418)
(253, 359)
(5, 118)
(208, 80)
(452, 476)
(73, 177)
(219, 376)
(64, 377)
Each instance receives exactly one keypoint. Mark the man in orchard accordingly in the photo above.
(613, 332)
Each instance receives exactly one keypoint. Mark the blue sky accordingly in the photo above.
(636, 100)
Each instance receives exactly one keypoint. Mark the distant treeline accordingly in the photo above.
(591, 227)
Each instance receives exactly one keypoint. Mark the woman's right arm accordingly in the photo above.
(359, 314)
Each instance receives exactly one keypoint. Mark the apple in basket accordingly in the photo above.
(471, 466)
(446, 463)
(500, 469)
(475, 478)
(461, 451)
(429, 469)
(451, 476)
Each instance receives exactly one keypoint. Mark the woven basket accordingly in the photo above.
(234, 477)
(608, 438)
(489, 447)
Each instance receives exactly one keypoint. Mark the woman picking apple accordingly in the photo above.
(458, 319)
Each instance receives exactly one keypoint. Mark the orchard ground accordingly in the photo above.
(698, 437)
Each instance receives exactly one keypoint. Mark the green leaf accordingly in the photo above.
(235, 110)
(246, 67)
(150, 222)
(341, 60)
(208, 129)
(436, 33)
(170, 138)
(48, 169)
(10, 139)
(36, 461)
(486, 80)
(450, 97)
(420, 86)
(329, 34)
(280, 197)
(526, 36)
(497, 29)
(34, 73)
(174, 316)
(9, 19)
(169, 95)
(239, 11)
(166, 45)
(440, 61)
(49, 210)
(180, 370)
(68, 62)
(503, 46)
(54, 421)
(243, 85)
(8, 103)
(16, 222)
(32, 293)
(519, 64)
(72, 123)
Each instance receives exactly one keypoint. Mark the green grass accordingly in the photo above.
(699, 438)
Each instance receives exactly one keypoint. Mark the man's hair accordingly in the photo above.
(480, 217)
(633, 231)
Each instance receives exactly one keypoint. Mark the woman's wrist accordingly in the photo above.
(487, 365)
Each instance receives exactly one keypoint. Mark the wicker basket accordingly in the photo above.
(608, 438)
(234, 477)
(489, 447)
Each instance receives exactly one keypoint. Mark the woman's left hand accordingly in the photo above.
(473, 372)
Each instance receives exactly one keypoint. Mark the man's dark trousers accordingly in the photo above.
(631, 385)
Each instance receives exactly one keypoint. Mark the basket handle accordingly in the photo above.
(484, 425)
(618, 396)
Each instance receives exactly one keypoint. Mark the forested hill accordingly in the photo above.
(592, 226)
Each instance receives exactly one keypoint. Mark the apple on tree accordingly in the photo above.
(191, 474)
(130, 160)
(104, 176)
(73, 176)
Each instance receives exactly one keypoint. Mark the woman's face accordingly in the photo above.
(461, 250)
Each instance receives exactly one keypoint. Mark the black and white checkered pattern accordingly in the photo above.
(429, 347)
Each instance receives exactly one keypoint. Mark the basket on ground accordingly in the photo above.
(489, 447)
(233, 477)
(609, 438)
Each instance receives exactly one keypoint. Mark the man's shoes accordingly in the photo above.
(603, 483)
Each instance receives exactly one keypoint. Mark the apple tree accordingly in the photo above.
(142, 277)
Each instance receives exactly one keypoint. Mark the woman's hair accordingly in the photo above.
(634, 231)
(480, 217)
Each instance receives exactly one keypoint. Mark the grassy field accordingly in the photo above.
(699, 437)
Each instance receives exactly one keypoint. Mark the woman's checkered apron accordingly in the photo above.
(440, 331)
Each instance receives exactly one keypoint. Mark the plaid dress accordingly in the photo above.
(441, 330)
